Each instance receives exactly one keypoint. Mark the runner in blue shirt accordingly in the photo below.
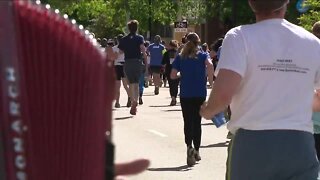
(133, 45)
(193, 65)
(156, 51)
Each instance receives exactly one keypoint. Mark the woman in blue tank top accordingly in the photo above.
(193, 66)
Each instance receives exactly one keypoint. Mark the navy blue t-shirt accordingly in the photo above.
(130, 45)
(193, 81)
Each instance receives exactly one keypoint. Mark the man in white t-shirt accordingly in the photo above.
(268, 71)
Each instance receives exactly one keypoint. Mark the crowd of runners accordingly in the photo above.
(160, 56)
(267, 71)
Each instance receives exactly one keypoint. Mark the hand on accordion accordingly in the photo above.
(131, 168)
(61, 87)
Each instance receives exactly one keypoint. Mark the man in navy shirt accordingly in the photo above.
(156, 51)
(133, 47)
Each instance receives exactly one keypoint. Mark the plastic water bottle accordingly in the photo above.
(219, 119)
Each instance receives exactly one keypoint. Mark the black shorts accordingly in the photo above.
(155, 69)
(119, 72)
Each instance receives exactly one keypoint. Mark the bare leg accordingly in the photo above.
(150, 79)
(156, 80)
(134, 92)
(117, 94)
(157, 83)
(134, 95)
(118, 85)
(125, 85)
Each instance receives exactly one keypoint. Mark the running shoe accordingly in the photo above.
(133, 110)
(117, 105)
(197, 155)
(173, 102)
(156, 90)
(140, 101)
(191, 160)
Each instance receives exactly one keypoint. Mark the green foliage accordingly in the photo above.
(195, 11)
(159, 11)
(243, 13)
(107, 18)
(313, 15)
(95, 15)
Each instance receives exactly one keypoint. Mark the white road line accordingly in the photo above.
(157, 133)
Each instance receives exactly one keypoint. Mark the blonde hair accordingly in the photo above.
(190, 49)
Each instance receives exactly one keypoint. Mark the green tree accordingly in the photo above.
(195, 11)
(157, 11)
(243, 14)
(94, 15)
(312, 15)
(107, 18)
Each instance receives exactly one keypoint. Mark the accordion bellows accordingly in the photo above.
(63, 102)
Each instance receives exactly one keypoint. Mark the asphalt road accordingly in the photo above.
(156, 133)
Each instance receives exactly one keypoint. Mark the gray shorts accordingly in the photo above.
(272, 155)
(133, 70)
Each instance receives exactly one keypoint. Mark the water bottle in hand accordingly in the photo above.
(219, 119)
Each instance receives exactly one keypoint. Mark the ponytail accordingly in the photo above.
(189, 50)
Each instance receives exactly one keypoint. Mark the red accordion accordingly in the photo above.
(56, 94)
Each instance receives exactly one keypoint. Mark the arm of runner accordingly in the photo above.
(174, 74)
(175, 68)
(316, 101)
(223, 89)
(143, 51)
(210, 71)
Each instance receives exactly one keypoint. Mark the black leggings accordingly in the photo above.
(192, 120)
(173, 86)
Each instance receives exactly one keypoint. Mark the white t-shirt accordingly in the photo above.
(279, 63)
(120, 59)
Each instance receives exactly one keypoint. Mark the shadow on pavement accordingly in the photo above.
(123, 118)
(148, 94)
(222, 144)
(207, 124)
(172, 110)
(160, 106)
(179, 168)
(115, 109)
